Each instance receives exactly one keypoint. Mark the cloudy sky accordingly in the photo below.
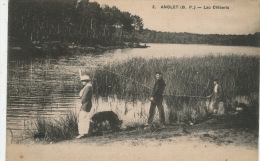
(242, 17)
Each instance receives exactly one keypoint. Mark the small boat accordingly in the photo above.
(137, 45)
(141, 46)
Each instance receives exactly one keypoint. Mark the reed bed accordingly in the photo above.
(238, 75)
(189, 81)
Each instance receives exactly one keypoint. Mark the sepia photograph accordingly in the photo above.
(148, 80)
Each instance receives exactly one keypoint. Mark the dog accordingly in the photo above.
(105, 120)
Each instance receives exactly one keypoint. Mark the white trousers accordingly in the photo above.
(84, 121)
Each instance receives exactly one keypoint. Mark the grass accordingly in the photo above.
(61, 128)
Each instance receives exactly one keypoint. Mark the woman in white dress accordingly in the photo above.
(86, 101)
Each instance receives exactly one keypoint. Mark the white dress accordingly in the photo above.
(84, 117)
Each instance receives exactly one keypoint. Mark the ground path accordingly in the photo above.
(221, 138)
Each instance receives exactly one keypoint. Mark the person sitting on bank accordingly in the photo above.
(156, 100)
(86, 105)
(215, 96)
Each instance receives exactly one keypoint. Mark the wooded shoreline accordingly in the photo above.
(84, 23)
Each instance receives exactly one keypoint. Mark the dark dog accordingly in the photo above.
(106, 120)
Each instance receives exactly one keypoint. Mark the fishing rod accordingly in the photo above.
(145, 85)
(128, 79)
(185, 96)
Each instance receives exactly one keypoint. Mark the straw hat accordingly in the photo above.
(84, 78)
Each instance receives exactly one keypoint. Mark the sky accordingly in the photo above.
(242, 17)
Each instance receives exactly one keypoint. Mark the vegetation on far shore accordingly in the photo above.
(150, 36)
(43, 25)
(71, 21)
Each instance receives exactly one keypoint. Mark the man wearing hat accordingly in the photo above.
(215, 96)
(84, 114)
(156, 100)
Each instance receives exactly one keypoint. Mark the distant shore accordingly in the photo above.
(57, 48)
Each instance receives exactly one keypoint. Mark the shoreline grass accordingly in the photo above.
(54, 129)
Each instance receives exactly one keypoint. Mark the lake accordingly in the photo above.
(50, 87)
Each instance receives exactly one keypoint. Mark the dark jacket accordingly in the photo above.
(86, 99)
(158, 90)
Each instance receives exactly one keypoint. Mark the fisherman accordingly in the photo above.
(156, 100)
(84, 114)
(215, 96)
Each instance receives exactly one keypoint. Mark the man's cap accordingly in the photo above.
(84, 78)
(158, 72)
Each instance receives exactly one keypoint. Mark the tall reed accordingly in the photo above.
(133, 80)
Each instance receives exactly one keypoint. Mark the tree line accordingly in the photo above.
(72, 21)
(191, 38)
(88, 23)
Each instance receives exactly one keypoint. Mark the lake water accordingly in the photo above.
(50, 87)
(181, 50)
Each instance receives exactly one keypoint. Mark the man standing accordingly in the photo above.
(84, 114)
(157, 99)
(215, 97)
